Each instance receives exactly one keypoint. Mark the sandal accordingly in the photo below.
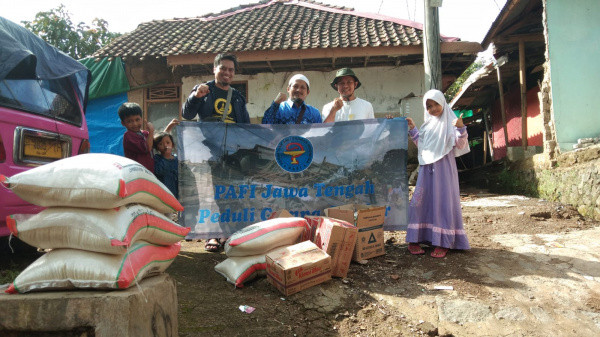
(213, 245)
(415, 249)
(439, 252)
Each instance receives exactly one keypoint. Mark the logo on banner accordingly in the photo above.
(294, 154)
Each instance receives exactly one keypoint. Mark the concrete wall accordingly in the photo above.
(136, 96)
(382, 86)
(573, 35)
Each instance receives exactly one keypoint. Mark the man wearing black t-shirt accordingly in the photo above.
(208, 100)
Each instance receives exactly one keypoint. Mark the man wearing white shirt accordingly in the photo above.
(347, 106)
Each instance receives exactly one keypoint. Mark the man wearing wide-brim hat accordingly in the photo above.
(347, 106)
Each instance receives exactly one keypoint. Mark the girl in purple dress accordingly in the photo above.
(435, 216)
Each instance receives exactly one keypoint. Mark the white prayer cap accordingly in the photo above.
(299, 77)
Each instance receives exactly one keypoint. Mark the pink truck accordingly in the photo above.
(43, 95)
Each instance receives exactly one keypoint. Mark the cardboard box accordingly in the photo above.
(294, 268)
(337, 238)
(369, 221)
(313, 224)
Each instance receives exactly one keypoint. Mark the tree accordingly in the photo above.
(56, 28)
(457, 85)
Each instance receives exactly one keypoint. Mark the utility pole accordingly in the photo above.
(432, 58)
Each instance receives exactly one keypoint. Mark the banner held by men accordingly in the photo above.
(234, 175)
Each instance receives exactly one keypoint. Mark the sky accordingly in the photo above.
(467, 19)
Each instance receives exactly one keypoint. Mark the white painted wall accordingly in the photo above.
(382, 86)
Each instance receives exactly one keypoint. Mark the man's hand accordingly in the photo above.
(202, 91)
(281, 97)
(174, 122)
(338, 103)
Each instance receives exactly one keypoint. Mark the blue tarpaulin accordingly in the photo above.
(24, 55)
(104, 125)
(108, 91)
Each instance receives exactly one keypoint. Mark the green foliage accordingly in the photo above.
(9, 274)
(456, 86)
(80, 41)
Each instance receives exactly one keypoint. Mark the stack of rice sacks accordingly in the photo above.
(246, 249)
(104, 223)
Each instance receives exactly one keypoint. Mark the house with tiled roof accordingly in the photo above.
(274, 39)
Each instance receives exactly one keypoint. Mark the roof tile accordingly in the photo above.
(266, 25)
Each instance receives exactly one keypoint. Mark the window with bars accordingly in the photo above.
(168, 93)
(163, 103)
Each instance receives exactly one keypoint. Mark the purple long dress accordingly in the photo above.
(435, 216)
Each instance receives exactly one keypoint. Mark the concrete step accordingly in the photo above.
(147, 310)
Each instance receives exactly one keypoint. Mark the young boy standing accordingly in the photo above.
(137, 143)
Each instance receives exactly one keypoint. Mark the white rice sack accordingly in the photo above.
(240, 269)
(63, 269)
(105, 231)
(262, 237)
(92, 180)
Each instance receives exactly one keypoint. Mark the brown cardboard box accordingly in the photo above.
(294, 268)
(369, 221)
(313, 224)
(337, 238)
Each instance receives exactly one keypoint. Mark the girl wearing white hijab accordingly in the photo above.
(435, 216)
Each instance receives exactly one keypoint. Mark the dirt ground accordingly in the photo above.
(533, 270)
